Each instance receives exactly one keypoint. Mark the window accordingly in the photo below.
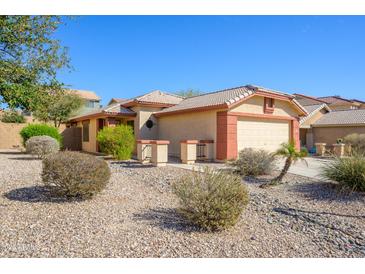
(354, 107)
(269, 105)
(85, 131)
(270, 102)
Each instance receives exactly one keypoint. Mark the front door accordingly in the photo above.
(100, 126)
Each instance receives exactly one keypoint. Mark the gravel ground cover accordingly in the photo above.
(136, 217)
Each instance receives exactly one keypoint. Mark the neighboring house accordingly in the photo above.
(329, 119)
(236, 118)
(338, 103)
(91, 100)
(338, 124)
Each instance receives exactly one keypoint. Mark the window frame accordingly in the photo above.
(269, 105)
(86, 125)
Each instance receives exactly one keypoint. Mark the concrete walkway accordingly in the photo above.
(312, 170)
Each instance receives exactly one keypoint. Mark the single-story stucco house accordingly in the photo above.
(329, 119)
(235, 118)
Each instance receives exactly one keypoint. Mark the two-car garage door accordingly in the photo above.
(262, 134)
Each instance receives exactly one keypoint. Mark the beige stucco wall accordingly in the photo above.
(194, 126)
(10, 133)
(91, 145)
(329, 135)
(314, 118)
(256, 105)
(140, 129)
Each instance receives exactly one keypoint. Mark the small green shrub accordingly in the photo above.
(74, 174)
(117, 141)
(357, 142)
(40, 130)
(12, 116)
(252, 162)
(349, 172)
(213, 200)
(41, 146)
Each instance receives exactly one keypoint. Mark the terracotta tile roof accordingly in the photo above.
(313, 109)
(335, 100)
(157, 97)
(86, 94)
(222, 98)
(343, 117)
(306, 100)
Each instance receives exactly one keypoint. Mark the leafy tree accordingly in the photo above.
(56, 106)
(29, 59)
(291, 155)
(189, 93)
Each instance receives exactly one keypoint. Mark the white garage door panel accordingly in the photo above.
(262, 134)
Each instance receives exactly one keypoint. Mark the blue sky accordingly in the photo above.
(125, 56)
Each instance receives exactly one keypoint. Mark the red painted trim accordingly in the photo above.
(206, 141)
(160, 142)
(294, 125)
(267, 108)
(264, 116)
(144, 141)
(226, 147)
(189, 142)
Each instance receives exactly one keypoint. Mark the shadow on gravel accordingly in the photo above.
(321, 191)
(25, 158)
(128, 164)
(294, 212)
(36, 194)
(166, 218)
(11, 152)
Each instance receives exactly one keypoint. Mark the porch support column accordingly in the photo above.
(226, 148)
(295, 133)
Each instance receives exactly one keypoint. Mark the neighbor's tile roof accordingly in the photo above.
(343, 117)
(86, 94)
(222, 98)
(115, 109)
(334, 100)
(306, 100)
(312, 109)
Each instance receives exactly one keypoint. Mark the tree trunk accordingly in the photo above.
(284, 171)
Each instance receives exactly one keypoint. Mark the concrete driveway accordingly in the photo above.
(312, 170)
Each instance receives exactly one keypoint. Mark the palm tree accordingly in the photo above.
(287, 151)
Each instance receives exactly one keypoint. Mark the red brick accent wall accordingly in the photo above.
(226, 147)
(295, 133)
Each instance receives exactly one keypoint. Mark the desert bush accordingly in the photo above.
(213, 200)
(117, 141)
(40, 130)
(41, 146)
(349, 172)
(357, 142)
(252, 162)
(74, 174)
(12, 116)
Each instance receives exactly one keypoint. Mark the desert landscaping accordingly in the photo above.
(136, 216)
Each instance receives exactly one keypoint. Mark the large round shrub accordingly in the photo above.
(40, 130)
(74, 174)
(117, 141)
(349, 172)
(252, 162)
(213, 200)
(41, 146)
